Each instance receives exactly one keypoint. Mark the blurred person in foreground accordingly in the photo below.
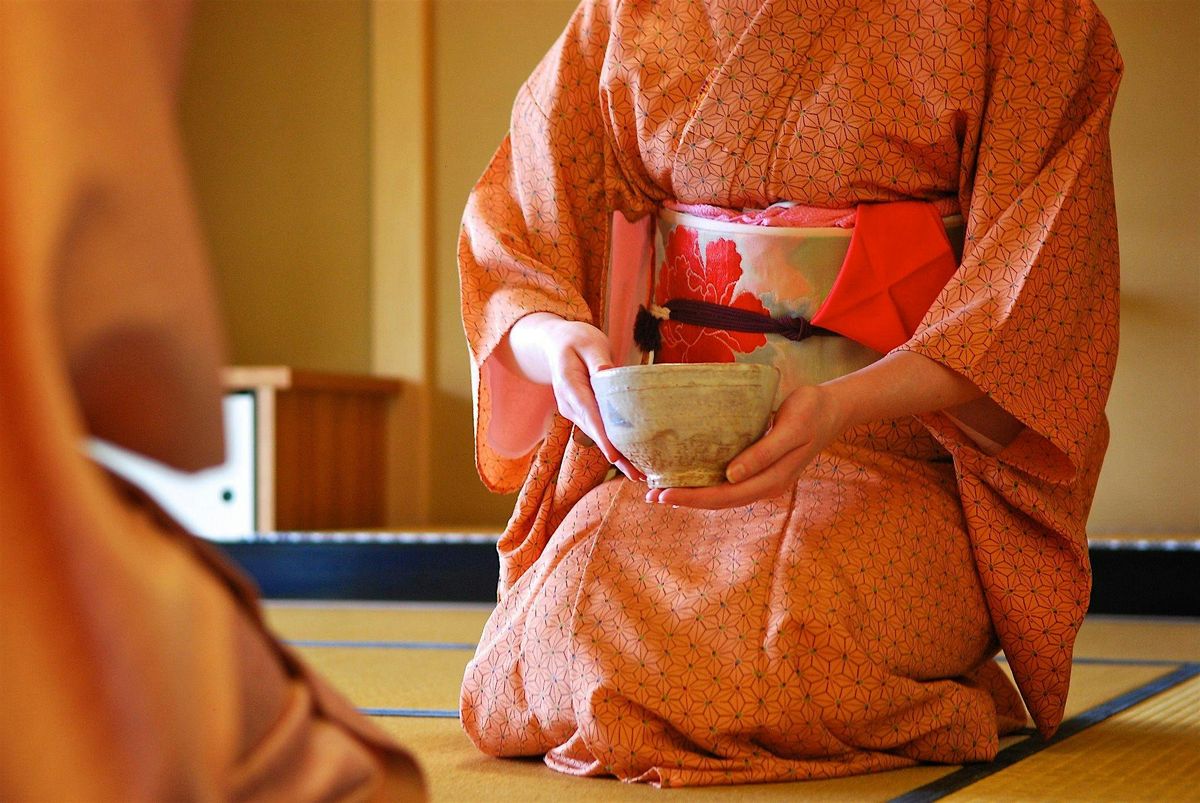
(134, 662)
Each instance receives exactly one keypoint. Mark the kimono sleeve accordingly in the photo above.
(1031, 318)
(1031, 314)
(535, 236)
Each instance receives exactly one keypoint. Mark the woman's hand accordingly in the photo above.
(812, 417)
(564, 354)
(809, 419)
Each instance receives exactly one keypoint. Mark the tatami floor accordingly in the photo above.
(1132, 733)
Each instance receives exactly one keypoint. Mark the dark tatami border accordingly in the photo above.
(1141, 578)
(972, 773)
(417, 713)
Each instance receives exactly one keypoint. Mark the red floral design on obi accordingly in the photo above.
(685, 275)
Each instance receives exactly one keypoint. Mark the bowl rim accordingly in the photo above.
(684, 367)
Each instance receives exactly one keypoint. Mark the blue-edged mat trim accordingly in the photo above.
(1076, 659)
(1122, 661)
(972, 773)
(426, 713)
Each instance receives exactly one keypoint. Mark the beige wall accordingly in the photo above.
(1151, 479)
(275, 108)
(267, 219)
(482, 51)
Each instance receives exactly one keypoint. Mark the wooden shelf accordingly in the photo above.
(321, 446)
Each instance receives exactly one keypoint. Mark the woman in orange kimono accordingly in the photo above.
(836, 607)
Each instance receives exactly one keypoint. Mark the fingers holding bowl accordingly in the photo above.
(595, 428)
(577, 400)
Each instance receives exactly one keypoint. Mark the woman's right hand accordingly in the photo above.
(565, 354)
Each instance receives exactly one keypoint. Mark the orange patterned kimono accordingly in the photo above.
(848, 625)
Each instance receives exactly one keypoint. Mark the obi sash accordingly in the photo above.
(817, 302)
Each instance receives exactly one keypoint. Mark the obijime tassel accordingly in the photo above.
(646, 332)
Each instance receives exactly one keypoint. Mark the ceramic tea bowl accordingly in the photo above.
(682, 424)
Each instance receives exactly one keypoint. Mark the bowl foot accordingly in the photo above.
(692, 478)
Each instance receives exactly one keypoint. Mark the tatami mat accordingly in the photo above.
(442, 623)
(1150, 752)
(1139, 638)
(394, 678)
(456, 772)
(403, 663)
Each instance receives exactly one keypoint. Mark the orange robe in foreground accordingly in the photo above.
(848, 625)
(134, 663)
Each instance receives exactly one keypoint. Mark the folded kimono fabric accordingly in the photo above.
(836, 629)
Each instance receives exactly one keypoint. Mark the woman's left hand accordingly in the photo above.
(809, 419)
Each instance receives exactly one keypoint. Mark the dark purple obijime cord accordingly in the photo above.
(717, 316)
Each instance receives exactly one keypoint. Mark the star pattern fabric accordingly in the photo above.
(848, 625)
